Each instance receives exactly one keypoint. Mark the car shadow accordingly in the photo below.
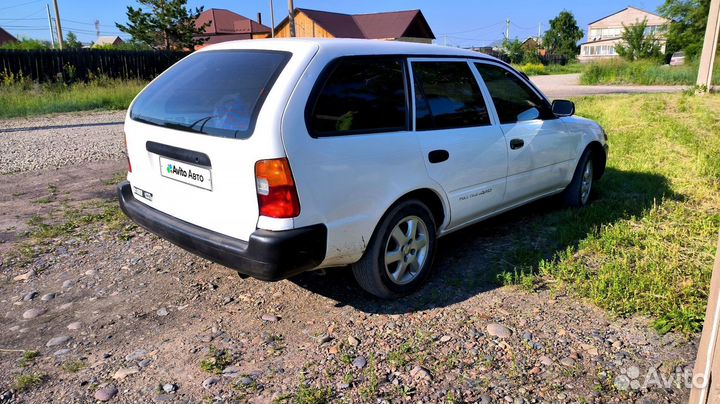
(469, 261)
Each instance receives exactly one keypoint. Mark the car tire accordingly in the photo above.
(577, 194)
(398, 259)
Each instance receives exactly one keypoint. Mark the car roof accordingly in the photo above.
(347, 47)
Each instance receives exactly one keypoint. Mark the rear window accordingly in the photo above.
(217, 93)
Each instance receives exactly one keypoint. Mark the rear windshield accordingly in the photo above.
(217, 93)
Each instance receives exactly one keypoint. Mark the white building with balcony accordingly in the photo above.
(605, 33)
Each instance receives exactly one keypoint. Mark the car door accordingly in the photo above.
(540, 147)
(464, 150)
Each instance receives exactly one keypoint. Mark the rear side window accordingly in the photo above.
(447, 96)
(217, 93)
(513, 99)
(360, 95)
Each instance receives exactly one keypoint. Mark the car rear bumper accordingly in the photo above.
(268, 255)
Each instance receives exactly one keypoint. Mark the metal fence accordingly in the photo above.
(84, 64)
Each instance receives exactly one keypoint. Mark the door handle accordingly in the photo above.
(517, 144)
(438, 156)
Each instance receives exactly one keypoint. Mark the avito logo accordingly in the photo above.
(179, 171)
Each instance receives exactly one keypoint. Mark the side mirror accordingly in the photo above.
(563, 108)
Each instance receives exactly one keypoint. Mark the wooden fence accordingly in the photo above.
(74, 65)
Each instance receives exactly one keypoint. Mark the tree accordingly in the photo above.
(636, 44)
(71, 41)
(687, 31)
(563, 35)
(167, 24)
(514, 50)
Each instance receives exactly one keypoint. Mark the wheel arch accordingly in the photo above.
(597, 152)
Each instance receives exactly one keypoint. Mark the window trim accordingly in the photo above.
(473, 73)
(322, 80)
(528, 83)
(246, 134)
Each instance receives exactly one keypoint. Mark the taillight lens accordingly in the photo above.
(277, 196)
(127, 155)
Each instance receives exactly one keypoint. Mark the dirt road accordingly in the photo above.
(116, 314)
(568, 86)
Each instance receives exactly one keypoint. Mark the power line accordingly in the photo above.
(474, 29)
(21, 4)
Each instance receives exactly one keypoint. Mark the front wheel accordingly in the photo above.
(399, 257)
(577, 194)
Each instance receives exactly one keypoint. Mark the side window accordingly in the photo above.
(513, 99)
(447, 96)
(361, 96)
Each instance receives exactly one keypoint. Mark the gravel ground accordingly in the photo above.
(568, 86)
(57, 140)
(116, 314)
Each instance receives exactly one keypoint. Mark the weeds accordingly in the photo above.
(73, 366)
(641, 72)
(20, 96)
(28, 357)
(29, 381)
(216, 360)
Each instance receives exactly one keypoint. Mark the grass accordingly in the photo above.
(29, 381)
(28, 357)
(216, 360)
(647, 244)
(538, 69)
(20, 97)
(73, 366)
(618, 71)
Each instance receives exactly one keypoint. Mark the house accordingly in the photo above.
(108, 41)
(5, 37)
(409, 26)
(224, 25)
(605, 33)
(534, 44)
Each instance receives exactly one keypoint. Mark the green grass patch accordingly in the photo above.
(618, 71)
(29, 381)
(538, 69)
(27, 358)
(23, 98)
(216, 360)
(646, 244)
(73, 366)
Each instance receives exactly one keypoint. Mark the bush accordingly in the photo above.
(532, 69)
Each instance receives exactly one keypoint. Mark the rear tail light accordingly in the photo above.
(127, 156)
(277, 196)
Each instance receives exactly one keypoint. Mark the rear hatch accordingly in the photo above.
(193, 138)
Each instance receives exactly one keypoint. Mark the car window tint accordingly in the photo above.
(361, 95)
(513, 99)
(216, 93)
(447, 96)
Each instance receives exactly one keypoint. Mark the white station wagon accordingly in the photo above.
(276, 157)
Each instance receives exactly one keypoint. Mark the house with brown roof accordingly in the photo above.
(224, 25)
(5, 37)
(409, 26)
(606, 33)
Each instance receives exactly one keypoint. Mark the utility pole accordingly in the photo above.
(291, 15)
(97, 28)
(507, 29)
(707, 58)
(52, 32)
(539, 31)
(272, 19)
(58, 26)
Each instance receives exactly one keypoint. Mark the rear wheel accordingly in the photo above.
(577, 194)
(399, 257)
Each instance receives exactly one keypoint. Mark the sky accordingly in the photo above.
(455, 22)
